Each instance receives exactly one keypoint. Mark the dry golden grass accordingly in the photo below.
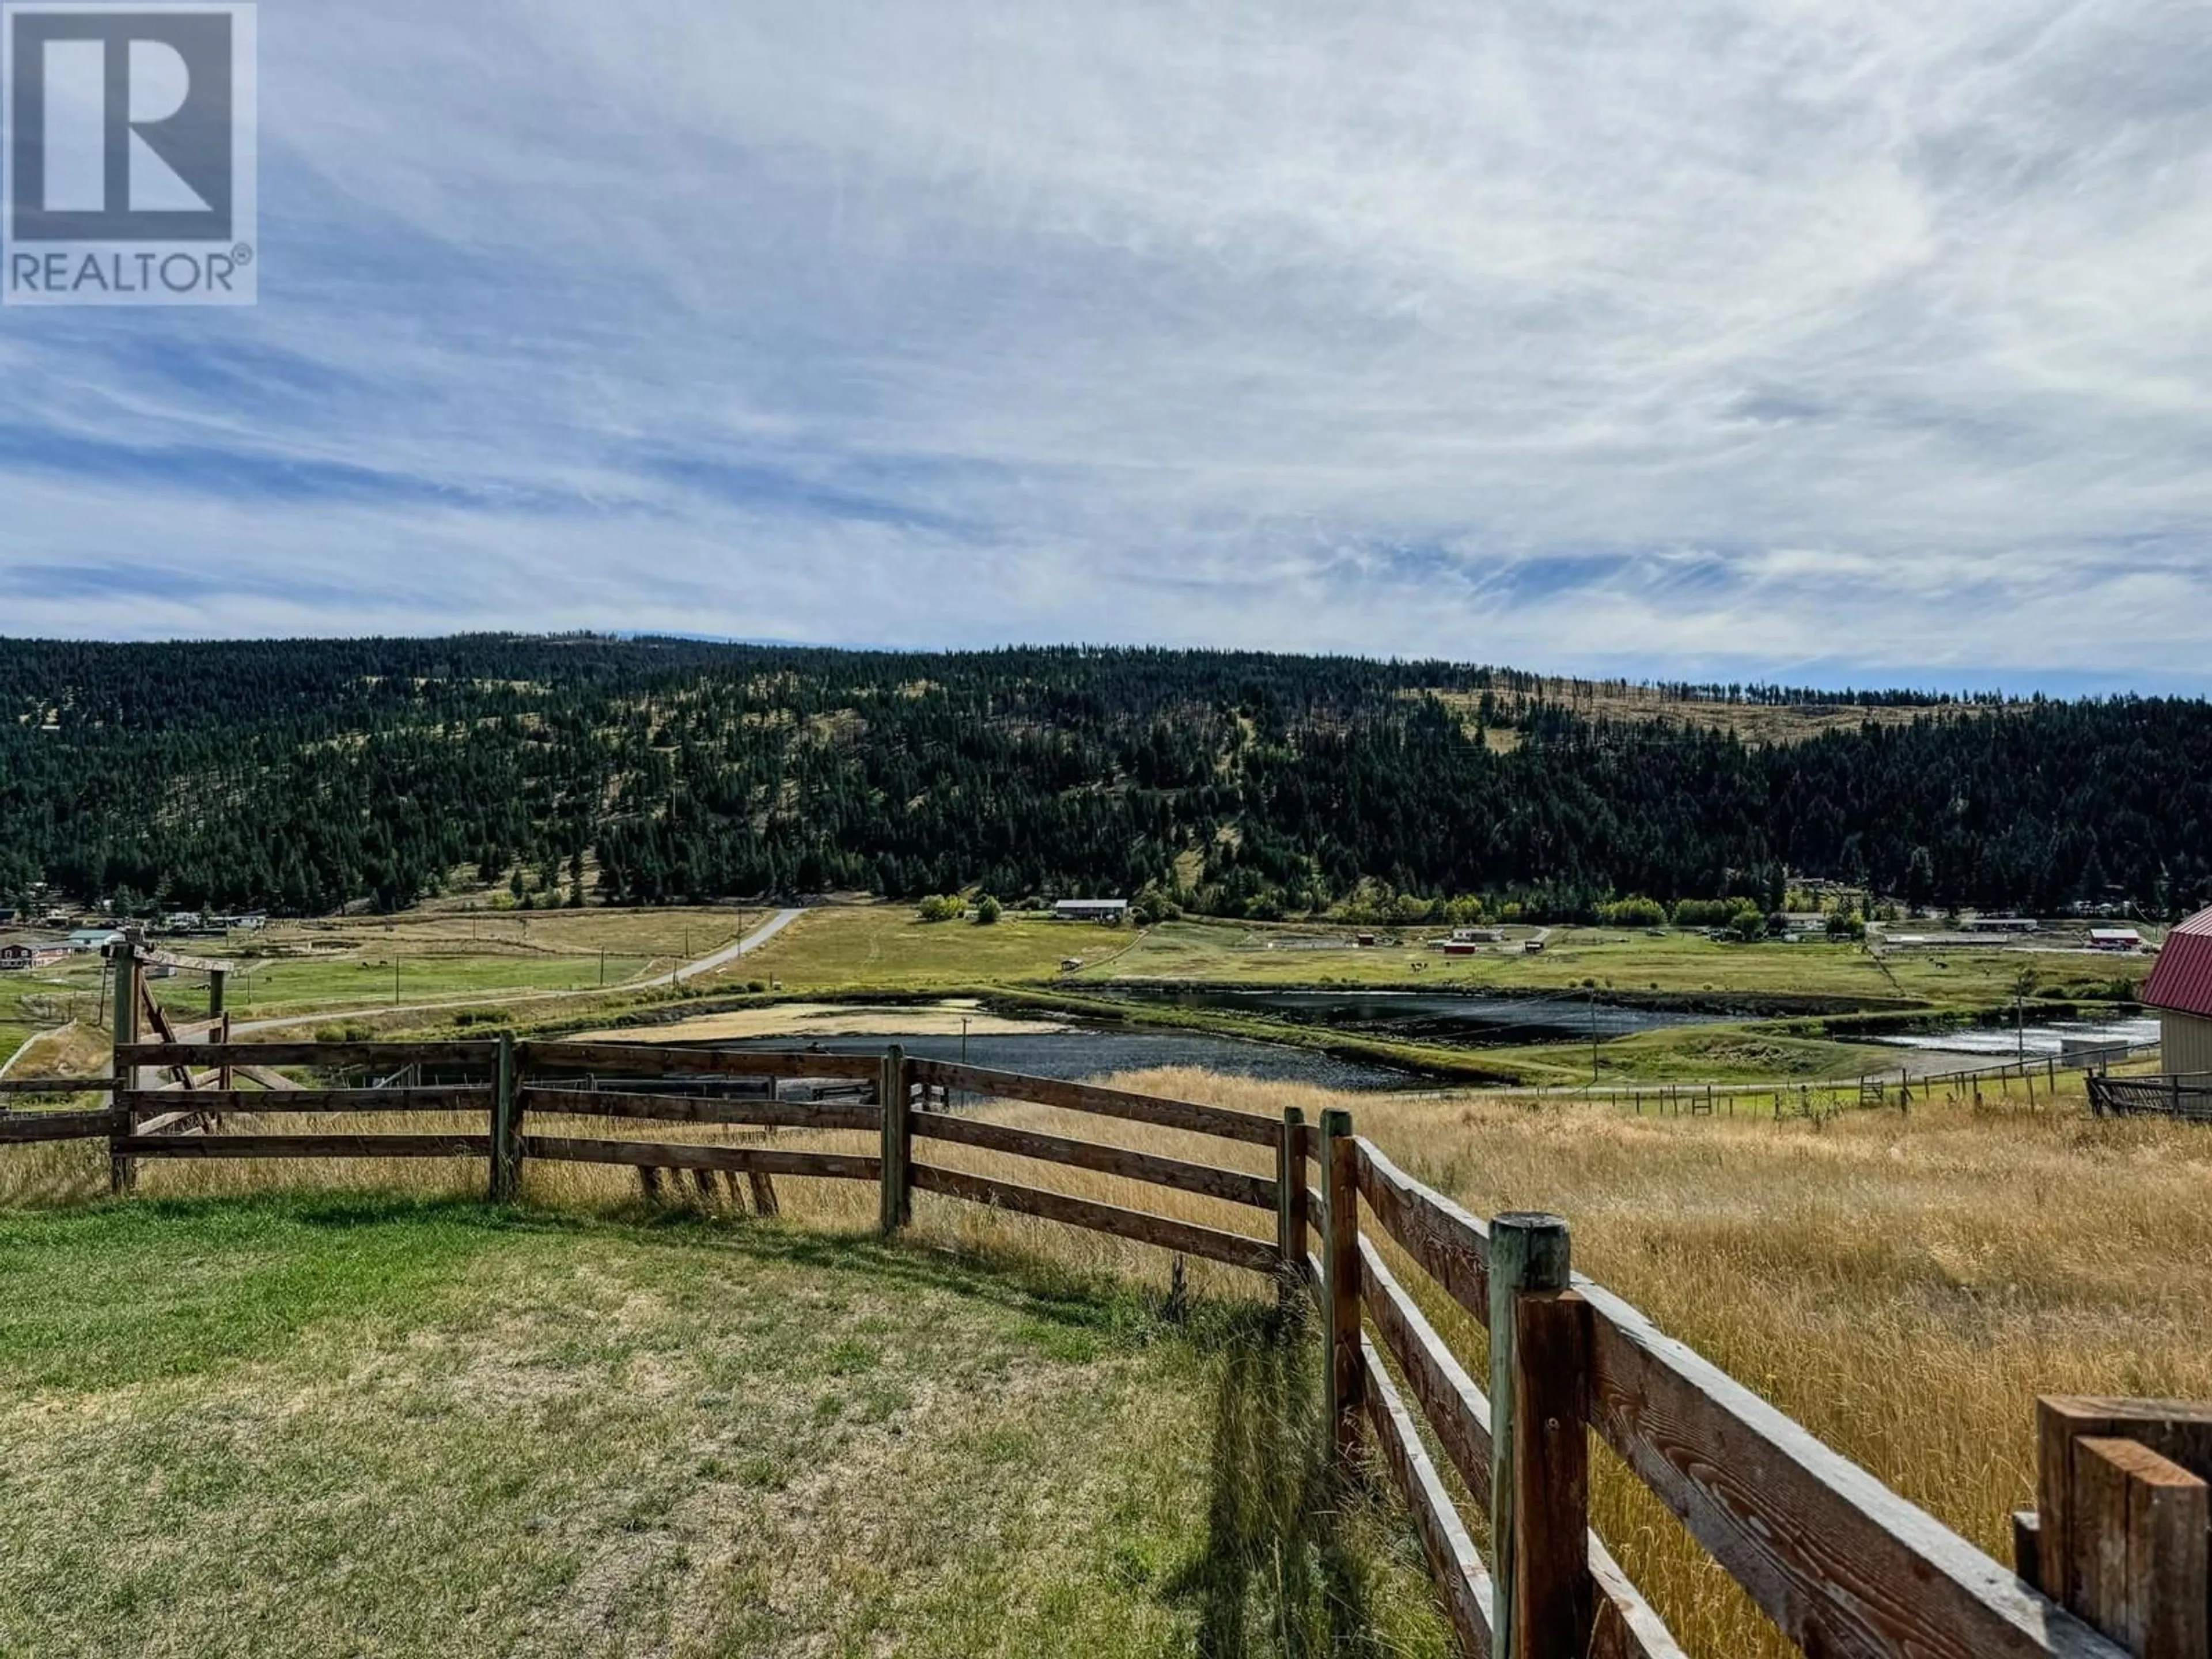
(1904, 1285)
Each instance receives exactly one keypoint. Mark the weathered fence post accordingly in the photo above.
(897, 1206)
(2123, 1513)
(122, 1170)
(1291, 1201)
(1540, 1347)
(505, 1132)
(1346, 1375)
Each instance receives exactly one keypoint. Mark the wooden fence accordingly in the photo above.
(2188, 1097)
(1901, 1089)
(1844, 1566)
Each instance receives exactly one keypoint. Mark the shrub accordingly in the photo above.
(943, 907)
(987, 911)
(1706, 913)
(1637, 912)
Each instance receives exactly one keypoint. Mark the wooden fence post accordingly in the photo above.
(897, 1205)
(122, 1171)
(1540, 1347)
(2123, 1513)
(505, 1132)
(1346, 1371)
(1291, 1201)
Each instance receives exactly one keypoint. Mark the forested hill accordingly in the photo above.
(300, 776)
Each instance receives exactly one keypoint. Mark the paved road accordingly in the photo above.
(689, 970)
(746, 946)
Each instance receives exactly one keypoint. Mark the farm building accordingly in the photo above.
(20, 957)
(2180, 988)
(2000, 924)
(1090, 910)
(2115, 938)
(93, 939)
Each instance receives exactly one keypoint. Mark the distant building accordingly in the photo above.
(1090, 910)
(2180, 988)
(20, 957)
(93, 939)
(1534, 947)
(1477, 935)
(1460, 947)
(2001, 924)
(2115, 938)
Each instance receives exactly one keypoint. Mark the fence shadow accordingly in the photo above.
(1279, 1574)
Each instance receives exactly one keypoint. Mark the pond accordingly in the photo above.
(1469, 1018)
(2054, 1037)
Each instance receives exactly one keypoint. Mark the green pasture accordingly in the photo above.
(299, 1427)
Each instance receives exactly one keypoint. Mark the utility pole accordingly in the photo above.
(1593, 1014)
(603, 966)
(964, 1039)
(395, 981)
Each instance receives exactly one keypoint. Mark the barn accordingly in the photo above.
(2180, 988)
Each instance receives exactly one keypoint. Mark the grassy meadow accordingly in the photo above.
(292, 1426)
(1616, 959)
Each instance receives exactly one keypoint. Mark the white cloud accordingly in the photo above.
(1860, 335)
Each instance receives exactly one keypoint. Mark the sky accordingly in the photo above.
(1809, 340)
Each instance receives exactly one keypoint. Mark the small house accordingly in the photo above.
(16, 958)
(2119, 940)
(1106, 911)
(82, 940)
(2180, 990)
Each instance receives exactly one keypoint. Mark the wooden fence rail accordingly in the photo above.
(2186, 1098)
(1844, 1566)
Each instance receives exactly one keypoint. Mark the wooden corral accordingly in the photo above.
(2114, 1562)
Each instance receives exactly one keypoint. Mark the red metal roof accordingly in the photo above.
(2183, 979)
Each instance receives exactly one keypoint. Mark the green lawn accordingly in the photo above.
(282, 985)
(886, 947)
(300, 1426)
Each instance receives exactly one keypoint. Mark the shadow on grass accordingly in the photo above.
(1280, 1574)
